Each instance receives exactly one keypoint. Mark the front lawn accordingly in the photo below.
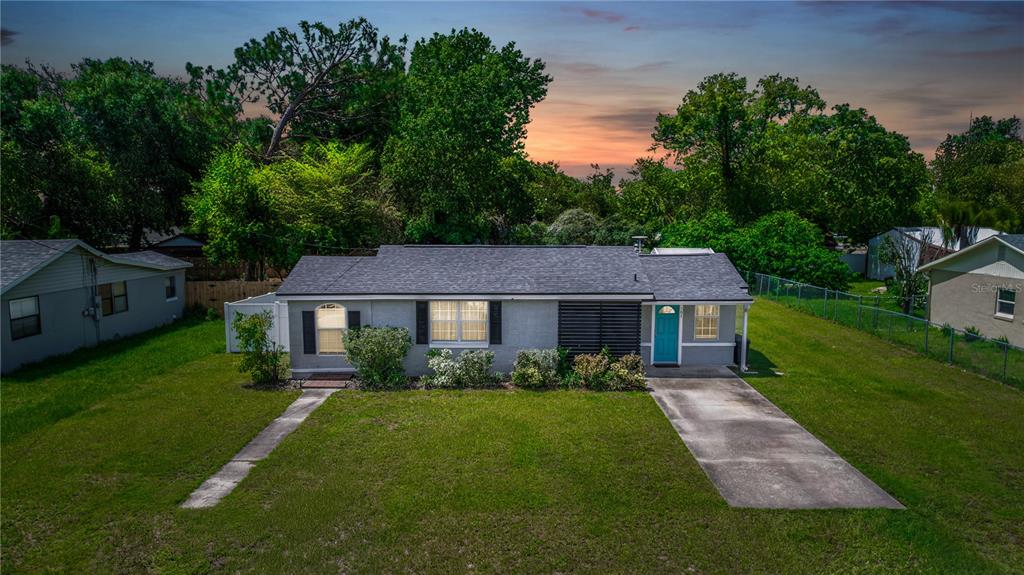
(502, 481)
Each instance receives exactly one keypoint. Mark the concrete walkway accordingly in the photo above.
(755, 454)
(224, 481)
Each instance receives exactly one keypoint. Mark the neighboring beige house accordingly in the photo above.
(981, 286)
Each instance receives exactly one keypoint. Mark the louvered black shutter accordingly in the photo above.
(308, 333)
(590, 326)
(353, 320)
(494, 314)
(422, 325)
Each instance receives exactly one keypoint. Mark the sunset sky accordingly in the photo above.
(921, 69)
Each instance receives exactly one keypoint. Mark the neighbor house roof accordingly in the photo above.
(934, 236)
(1013, 241)
(518, 270)
(20, 259)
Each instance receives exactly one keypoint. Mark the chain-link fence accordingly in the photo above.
(995, 358)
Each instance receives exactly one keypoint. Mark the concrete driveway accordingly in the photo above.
(755, 454)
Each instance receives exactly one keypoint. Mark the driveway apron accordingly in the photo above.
(755, 454)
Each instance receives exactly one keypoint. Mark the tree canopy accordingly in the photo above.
(324, 139)
(456, 157)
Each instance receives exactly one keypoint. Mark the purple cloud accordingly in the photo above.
(603, 15)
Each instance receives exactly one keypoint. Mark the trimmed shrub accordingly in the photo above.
(627, 374)
(600, 373)
(377, 353)
(471, 369)
(536, 368)
(592, 370)
(265, 361)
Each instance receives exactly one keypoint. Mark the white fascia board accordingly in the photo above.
(435, 297)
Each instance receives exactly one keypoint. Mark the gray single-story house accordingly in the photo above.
(674, 310)
(980, 286)
(60, 295)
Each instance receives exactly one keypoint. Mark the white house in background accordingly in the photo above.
(930, 240)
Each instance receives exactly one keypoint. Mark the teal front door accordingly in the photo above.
(666, 334)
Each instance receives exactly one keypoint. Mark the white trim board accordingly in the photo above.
(708, 344)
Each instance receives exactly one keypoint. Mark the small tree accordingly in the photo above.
(904, 253)
(262, 358)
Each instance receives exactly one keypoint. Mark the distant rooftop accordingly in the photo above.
(681, 251)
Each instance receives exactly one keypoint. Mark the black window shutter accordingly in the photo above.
(353, 319)
(494, 314)
(308, 333)
(422, 326)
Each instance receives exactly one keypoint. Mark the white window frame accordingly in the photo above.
(343, 329)
(717, 316)
(458, 342)
(1013, 303)
(38, 315)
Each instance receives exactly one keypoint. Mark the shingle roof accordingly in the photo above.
(149, 259)
(709, 277)
(21, 258)
(1015, 240)
(511, 270)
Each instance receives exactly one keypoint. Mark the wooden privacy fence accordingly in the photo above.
(214, 294)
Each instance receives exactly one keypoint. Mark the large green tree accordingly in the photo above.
(318, 81)
(103, 154)
(717, 126)
(456, 159)
(323, 201)
(978, 178)
(152, 132)
(861, 178)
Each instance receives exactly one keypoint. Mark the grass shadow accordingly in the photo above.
(760, 366)
(61, 387)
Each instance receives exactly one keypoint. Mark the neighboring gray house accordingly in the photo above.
(981, 286)
(60, 295)
(672, 309)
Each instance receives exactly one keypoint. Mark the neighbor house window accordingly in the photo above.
(170, 287)
(1005, 302)
(25, 317)
(458, 321)
(114, 297)
(331, 322)
(706, 322)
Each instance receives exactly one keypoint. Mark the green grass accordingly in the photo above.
(500, 481)
(987, 357)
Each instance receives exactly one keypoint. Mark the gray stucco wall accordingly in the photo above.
(966, 299)
(65, 329)
(692, 351)
(526, 324)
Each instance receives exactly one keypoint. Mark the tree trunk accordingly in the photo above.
(135, 237)
(286, 117)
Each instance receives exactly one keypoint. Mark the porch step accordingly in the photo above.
(328, 381)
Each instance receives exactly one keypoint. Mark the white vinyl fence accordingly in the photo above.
(278, 332)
